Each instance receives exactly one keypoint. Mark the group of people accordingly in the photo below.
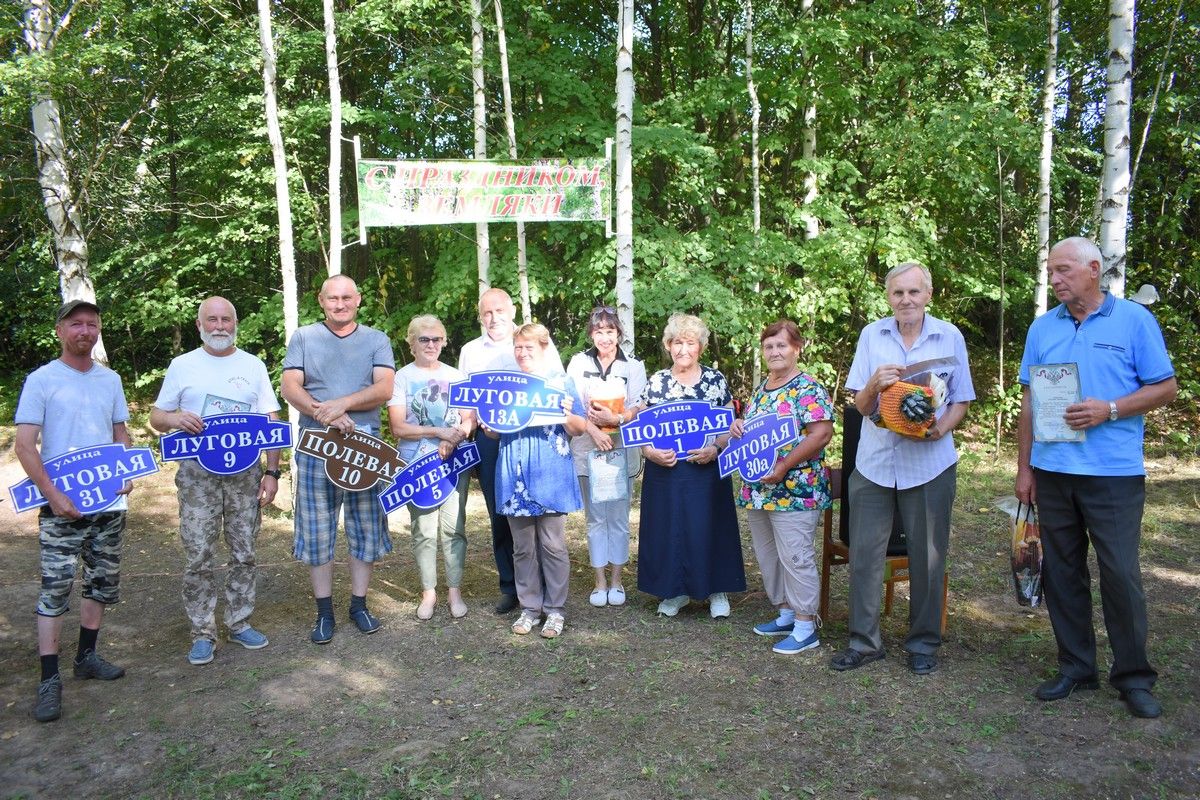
(339, 373)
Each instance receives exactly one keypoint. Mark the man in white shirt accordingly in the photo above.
(218, 378)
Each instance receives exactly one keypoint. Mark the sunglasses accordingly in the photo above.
(430, 339)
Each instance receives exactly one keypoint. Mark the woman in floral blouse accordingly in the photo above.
(689, 544)
(536, 489)
(784, 507)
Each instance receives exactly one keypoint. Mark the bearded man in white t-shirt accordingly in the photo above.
(218, 378)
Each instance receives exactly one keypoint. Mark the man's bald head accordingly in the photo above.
(496, 311)
(216, 319)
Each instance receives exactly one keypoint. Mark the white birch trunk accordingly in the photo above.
(511, 128)
(755, 112)
(1114, 207)
(1158, 85)
(624, 176)
(335, 142)
(482, 248)
(283, 199)
(808, 147)
(1049, 88)
(54, 175)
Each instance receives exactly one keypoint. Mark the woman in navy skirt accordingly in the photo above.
(689, 543)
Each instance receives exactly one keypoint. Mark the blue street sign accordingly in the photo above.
(427, 481)
(681, 426)
(506, 401)
(754, 455)
(90, 476)
(229, 443)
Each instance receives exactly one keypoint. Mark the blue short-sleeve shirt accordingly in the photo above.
(1119, 348)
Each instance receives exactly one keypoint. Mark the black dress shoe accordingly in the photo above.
(1141, 703)
(1061, 686)
(922, 663)
(508, 602)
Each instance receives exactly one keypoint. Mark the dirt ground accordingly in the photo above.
(625, 705)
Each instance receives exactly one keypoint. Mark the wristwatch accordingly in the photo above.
(1112, 410)
(274, 473)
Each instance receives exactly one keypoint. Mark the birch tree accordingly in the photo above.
(808, 143)
(755, 114)
(482, 248)
(335, 142)
(511, 129)
(283, 198)
(1114, 206)
(624, 176)
(1049, 89)
(54, 174)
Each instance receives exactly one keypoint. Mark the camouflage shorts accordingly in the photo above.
(96, 537)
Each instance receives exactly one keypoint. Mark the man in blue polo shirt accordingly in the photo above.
(1095, 487)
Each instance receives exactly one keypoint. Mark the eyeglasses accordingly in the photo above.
(431, 339)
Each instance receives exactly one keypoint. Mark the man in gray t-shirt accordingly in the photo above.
(338, 374)
(69, 403)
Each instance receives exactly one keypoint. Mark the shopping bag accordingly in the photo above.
(1026, 556)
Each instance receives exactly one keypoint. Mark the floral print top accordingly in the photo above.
(806, 487)
(663, 388)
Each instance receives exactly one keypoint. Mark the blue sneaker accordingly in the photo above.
(249, 638)
(773, 628)
(791, 645)
(322, 632)
(365, 620)
(201, 652)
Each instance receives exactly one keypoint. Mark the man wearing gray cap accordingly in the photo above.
(69, 403)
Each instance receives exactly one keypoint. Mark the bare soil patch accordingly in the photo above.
(624, 705)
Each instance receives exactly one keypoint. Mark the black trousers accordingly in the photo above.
(1107, 510)
(502, 540)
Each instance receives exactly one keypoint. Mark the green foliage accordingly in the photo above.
(927, 142)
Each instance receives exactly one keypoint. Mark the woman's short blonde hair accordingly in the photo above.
(422, 323)
(534, 331)
(685, 326)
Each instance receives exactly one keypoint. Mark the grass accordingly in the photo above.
(624, 705)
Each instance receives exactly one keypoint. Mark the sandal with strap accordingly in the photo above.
(553, 626)
(525, 623)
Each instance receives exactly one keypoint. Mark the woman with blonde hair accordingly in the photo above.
(422, 421)
(689, 545)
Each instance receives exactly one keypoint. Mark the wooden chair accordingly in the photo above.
(836, 552)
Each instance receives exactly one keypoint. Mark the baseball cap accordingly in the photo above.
(67, 309)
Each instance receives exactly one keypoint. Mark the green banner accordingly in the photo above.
(443, 192)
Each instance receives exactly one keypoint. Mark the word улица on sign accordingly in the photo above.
(90, 476)
(229, 443)
(755, 453)
(429, 480)
(681, 425)
(354, 461)
(507, 402)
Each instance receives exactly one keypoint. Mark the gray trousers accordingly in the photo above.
(1070, 507)
(925, 513)
(541, 562)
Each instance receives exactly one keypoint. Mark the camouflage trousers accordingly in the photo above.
(95, 537)
(208, 505)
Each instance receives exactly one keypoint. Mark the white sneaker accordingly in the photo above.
(670, 607)
(599, 598)
(616, 596)
(718, 605)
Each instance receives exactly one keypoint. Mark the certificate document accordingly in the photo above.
(1053, 388)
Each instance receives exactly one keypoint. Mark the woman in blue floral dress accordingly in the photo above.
(689, 543)
(784, 507)
(536, 488)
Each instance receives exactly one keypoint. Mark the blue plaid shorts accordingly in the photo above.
(316, 505)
